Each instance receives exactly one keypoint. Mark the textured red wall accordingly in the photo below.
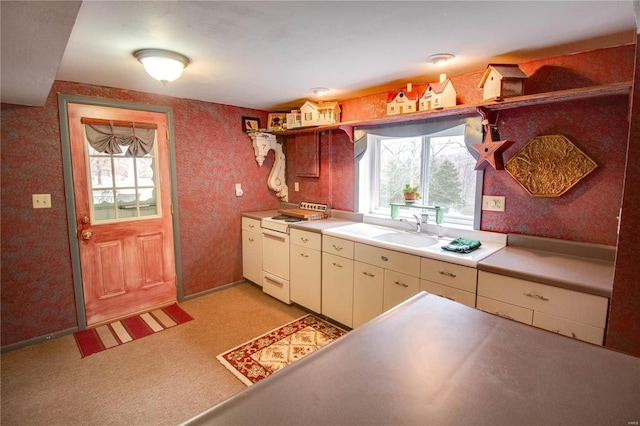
(588, 211)
(212, 154)
(623, 332)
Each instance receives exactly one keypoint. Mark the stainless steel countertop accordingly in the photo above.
(434, 361)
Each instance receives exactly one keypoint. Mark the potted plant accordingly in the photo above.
(411, 193)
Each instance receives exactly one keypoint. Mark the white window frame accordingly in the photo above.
(367, 191)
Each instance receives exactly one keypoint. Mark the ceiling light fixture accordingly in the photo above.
(319, 91)
(163, 65)
(440, 58)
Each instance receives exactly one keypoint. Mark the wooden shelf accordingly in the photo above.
(614, 89)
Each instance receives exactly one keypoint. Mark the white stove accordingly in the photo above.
(306, 211)
(275, 246)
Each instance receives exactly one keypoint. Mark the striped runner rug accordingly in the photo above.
(126, 330)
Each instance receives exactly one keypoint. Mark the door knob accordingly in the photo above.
(86, 235)
(85, 219)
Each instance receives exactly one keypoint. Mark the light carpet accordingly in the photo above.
(258, 358)
(114, 334)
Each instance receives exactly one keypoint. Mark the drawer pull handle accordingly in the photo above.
(252, 226)
(304, 240)
(304, 255)
(250, 239)
(384, 258)
(337, 248)
(401, 284)
(447, 274)
(503, 315)
(535, 295)
(337, 264)
(369, 274)
(276, 283)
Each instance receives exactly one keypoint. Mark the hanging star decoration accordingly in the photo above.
(491, 150)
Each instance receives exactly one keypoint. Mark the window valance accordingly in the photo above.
(109, 138)
(435, 127)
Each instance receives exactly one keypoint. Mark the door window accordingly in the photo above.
(122, 187)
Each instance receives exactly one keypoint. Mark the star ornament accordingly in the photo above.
(491, 152)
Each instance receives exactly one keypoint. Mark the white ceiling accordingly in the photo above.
(267, 54)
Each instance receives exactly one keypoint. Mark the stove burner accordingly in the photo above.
(286, 218)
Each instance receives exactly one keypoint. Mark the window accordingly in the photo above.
(122, 188)
(440, 164)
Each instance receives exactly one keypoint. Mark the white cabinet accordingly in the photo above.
(337, 279)
(368, 282)
(382, 279)
(251, 250)
(306, 269)
(455, 282)
(579, 315)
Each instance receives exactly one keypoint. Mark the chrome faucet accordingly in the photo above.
(417, 224)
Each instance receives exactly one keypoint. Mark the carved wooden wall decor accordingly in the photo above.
(549, 165)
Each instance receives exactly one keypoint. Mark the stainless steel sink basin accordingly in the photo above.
(406, 239)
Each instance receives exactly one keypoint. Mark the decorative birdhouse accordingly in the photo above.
(312, 114)
(502, 81)
(401, 102)
(438, 95)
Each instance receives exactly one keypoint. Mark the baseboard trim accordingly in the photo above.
(214, 290)
(36, 340)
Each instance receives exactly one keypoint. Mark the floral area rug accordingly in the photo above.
(254, 360)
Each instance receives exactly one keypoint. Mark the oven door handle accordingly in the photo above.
(274, 235)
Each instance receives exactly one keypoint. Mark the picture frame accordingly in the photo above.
(277, 121)
(250, 124)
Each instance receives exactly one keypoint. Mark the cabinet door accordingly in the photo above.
(305, 277)
(252, 257)
(337, 288)
(398, 287)
(367, 292)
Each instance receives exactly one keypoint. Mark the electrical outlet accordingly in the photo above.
(239, 191)
(41, 201)
(494, 203)
(296, 186)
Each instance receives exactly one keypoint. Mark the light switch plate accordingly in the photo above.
(41, 201)
(494, 203)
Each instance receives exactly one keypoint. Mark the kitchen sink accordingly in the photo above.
(406, 239)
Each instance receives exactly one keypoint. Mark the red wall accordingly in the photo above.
(623, 332)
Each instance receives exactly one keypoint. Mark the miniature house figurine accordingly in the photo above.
(438, 95)
(502, 81)
(325, 113)
(401, 102)
(294, 119)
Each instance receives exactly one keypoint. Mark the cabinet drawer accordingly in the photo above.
(449, 274)
(505, 310)
(398, 287)
(569, 304)
(569, 328)
(312, 240)
(337, 246)
(388, 259)
(451, 293)
(249, 224)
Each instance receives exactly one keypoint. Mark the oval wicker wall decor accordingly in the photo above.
(549, 165)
